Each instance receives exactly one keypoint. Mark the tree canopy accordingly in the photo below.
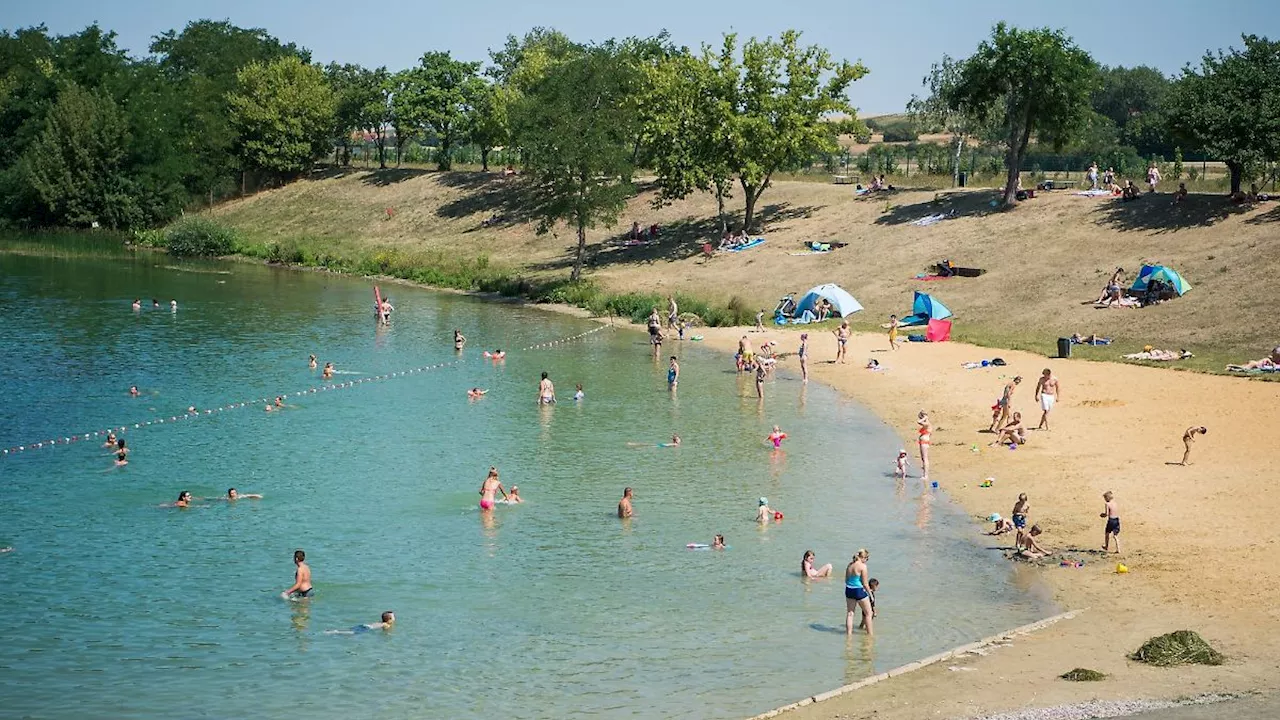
(1229, 107)
(283, 113)
(1025, 82)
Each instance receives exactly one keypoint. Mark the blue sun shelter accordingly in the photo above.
(924, 309)
(842, 303)
(1159, 272)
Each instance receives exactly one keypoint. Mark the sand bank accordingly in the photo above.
(1198, 540)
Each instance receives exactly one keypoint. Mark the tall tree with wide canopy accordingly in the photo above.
(577, 131)
(487, 122)
(775, 104)
(282, 112)
(440, 94)
(1025, 82)
(1133, 99)
(1229, 107)
(359, 103)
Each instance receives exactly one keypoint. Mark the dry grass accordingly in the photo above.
(1044, 260)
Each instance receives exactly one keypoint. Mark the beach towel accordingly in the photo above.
(1093, 193)
(746, 246)
(1098, 341)
(1125, 302)
(1162, 355)
(928, 220)
(930, 278)
(1243, 369)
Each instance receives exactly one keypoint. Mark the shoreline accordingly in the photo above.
(1028, 676)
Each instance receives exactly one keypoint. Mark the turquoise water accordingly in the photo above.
(556, 608)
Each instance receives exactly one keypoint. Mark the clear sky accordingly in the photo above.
(897, 40)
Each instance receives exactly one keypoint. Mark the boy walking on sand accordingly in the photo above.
(1189, 439)
(1112, 514)
(760, 321)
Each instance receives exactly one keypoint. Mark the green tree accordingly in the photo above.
(1025, 82)
(283, 113)
(1133, 99)
(487, 122)
(577, 131)
(403, 113)
(439, 95)
(203, 61)
(1229, 107)
(357, 92)
(77, 165)
(773, 107)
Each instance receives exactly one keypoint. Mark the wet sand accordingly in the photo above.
(1198, 540)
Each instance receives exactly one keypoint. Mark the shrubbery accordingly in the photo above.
(200, 236)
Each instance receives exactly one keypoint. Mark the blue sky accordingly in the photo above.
(898, 41)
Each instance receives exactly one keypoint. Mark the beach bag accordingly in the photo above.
(998, 362)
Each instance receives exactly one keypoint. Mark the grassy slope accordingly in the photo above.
(1043, 259)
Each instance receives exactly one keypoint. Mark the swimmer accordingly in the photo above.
(111, 440)
(764, 513)
(312, 362)
(184, 500)
(490, 486)
(388, 619)
(673, 373)
(155, 303)
(269, 407)
(133, 391)
(496, 354)
(137, 304)
(546, 391)
(233, 495)
(900, 469)
(122, 453)
(624, 505)
(776, 437)
(173, 305)
(807, 570)
(579, 395)
(458, 339)
(513, 497)
(301, 587)
(279, 402)
(191, 410)
(675, 442)
(474, 393)
(328, 371)
(717, 543)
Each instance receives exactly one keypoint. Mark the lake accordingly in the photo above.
(118, 606)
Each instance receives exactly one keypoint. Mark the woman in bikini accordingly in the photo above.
(926, 431)
(546, 391)
(808, 571)
(489, 488)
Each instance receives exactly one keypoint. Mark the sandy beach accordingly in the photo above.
(1196, 539)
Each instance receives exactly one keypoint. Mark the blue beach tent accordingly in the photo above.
(1160, 272)
(842, 303)
(924, 309)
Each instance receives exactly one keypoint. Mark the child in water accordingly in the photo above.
(776, 437)
(717, 543)
(578, 395)
(513, 497)
(901, 470)
(872, 586)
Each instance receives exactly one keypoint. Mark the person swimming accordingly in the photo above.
(476, 392)
(184, 500)
(173, 305)
(776, 437)
(579, 395)
(489, 487)
(717, 543)
(312, 362)
(137, 304)
(111, 440)
(133, 391)
(328, 371)
(675, 442)
(496, 354)
(388, 620)
(458, 339)
(513, 497)
(233, 495)
(122, 453)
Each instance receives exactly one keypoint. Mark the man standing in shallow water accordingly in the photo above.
(624, 505)
(301, 587)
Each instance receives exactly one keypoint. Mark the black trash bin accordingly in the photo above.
(964, 176)
(1064, 347)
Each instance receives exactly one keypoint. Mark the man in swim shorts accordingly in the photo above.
(489, 488)
(842, 341)
(1047, 395)
(624, 505)
(1112, 513)
(301, 587)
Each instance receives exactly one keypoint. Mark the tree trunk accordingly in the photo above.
(484, 159)
(749, 212)
(1019, 136)
(955, 164)
(244, 182)
(445, 159)
(582, 248)
(1237, 174)
(724, 224)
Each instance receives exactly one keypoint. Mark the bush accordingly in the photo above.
(1083, 675)
(1177, 648)
(200, 236)
(900, 133)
